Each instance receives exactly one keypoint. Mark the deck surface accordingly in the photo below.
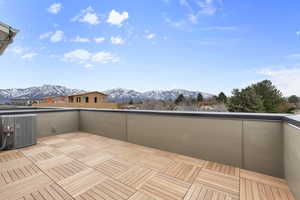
(83, 166)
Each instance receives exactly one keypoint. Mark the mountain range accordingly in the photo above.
(117, 95)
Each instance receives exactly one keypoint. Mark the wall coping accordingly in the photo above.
(292, 119)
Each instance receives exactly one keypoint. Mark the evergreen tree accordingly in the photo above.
(222, 98)
(200, 97)
(293, 99)
(260, 97)
(179, 99)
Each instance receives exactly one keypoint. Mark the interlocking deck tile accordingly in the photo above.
(252, 190)
(203, 192)
(113, 167)
(136, 176)
(221, 168)
(10, 155)
(222, 182)
(141, 196)
(96, 158)
(81, 182)
(189, 160)
(92, 167)
(183, 171)
(268, 180)
(156, 162)
(24, 186)
(165, 187)
(16, 173)
(108, 189)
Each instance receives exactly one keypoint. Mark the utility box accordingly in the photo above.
(21, 129)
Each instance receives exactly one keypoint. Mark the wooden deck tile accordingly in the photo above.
(141, 196)
(221, 168)
(113, 167)
(24, 187)
(222, 182)
(183, 171)
(265, 179)
(108, 189)
(17, 172)
(203, 192)
(252, 190)
(10, 155)
(157, 163)
(136, 176)
(189, 160)
(165, 187)
(81, 182)
(89, 167)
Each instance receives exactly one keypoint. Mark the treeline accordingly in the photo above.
(261, 97)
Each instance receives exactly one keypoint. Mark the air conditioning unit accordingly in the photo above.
(17, 131)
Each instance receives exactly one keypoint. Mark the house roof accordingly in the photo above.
(7, 33)
(87, 93)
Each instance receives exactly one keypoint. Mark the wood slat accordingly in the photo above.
(222, 182)
(252, 190)
(136, 176)
(113, 167)
(165, 187)
(203, 192)
(183, 171)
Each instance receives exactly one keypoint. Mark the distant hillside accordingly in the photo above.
(118, 95)
(122, 95)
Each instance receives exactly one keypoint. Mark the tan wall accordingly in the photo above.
(252, 144)
(263, 147)
(54, 123)
(112, 125)
(292, 157)
(103, 105)
(101, 98)
(216, 140)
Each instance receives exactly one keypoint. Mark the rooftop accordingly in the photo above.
(88, 154)
(86, 166)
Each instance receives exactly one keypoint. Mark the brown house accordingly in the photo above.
(85, 100)
(89, 97)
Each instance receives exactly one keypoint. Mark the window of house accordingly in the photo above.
(86, 99)
(71, 99)
(78, 99)
(95, 99)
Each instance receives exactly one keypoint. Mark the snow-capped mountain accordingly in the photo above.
(117, 95)
(121, 95)
(37, 92)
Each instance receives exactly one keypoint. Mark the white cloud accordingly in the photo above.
(18, 49)
(294, 56)
(207, 7)
(45, 35)
(287, 80)
(29, 55)
(88, 66)
(57, 36)
(176, 24)
(193, 18)
(85, 57)
(99, 39)
(55, 8)
(80, 39)
(87, 15)
(221, 28)
(150, 36)
(117, 40)
(116, 18)
(104, 57)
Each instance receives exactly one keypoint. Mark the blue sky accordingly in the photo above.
(207, 45)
